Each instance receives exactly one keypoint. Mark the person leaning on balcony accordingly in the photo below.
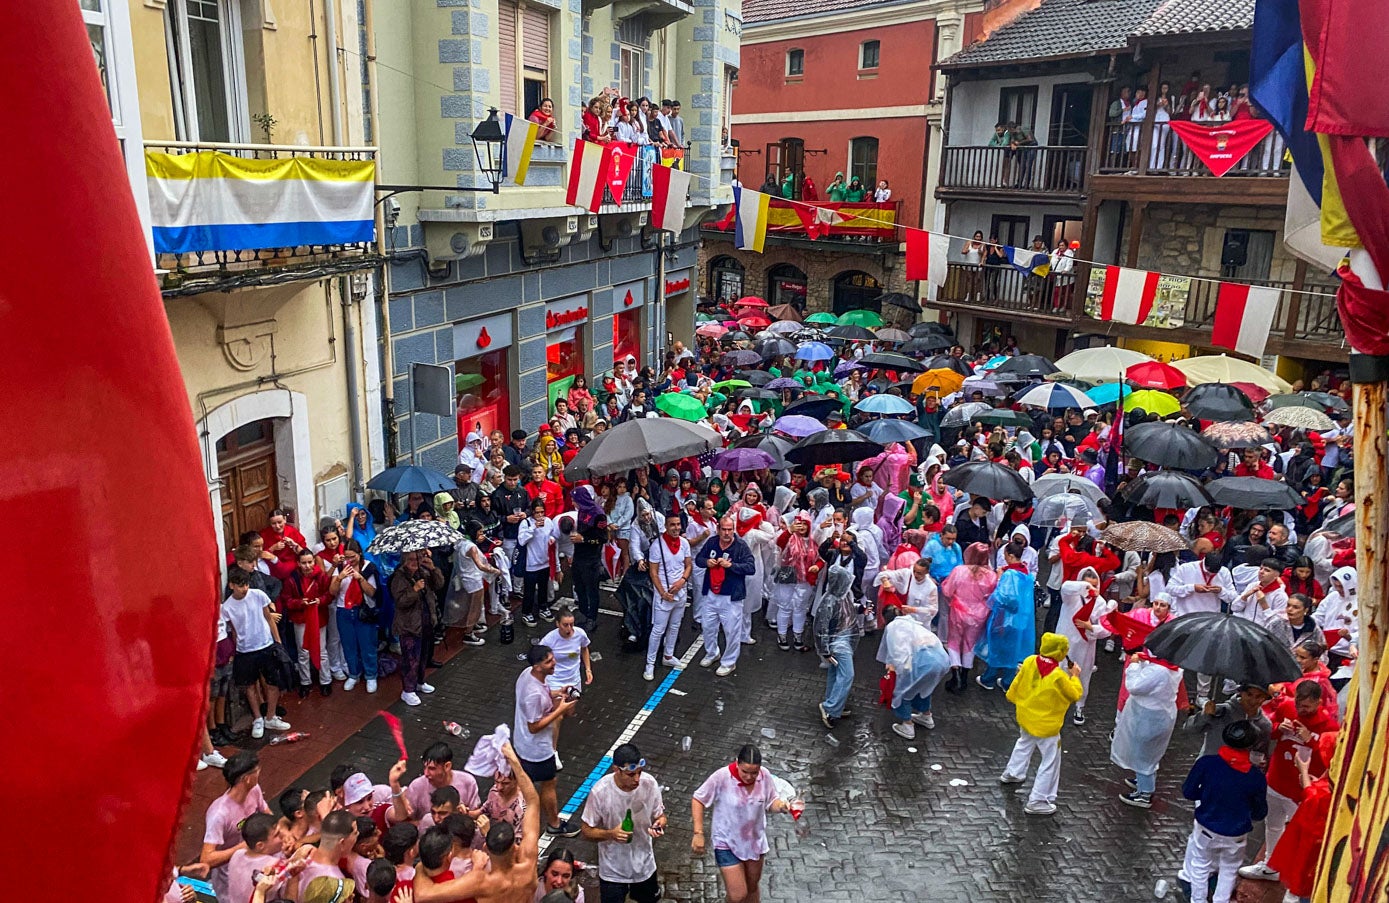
(1002, 137)
(544, 116)
(1063, 269)
(837, 192)
(973, 253)
(1024, 150)
(995, 262)
(595, 120)
(855, 192)
(1133, 125)
(882, 194)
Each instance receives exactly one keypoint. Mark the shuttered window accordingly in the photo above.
(535, 25)
(507, 14)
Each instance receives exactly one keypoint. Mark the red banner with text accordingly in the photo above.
(1221, 145)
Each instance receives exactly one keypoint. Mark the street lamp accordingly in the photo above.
(488, 139)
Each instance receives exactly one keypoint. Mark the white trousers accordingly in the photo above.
(1280, 809)
(792, 601)
(665, 625)
(717, 612)
(1048, 772)
(1208, 852)
(325, 666)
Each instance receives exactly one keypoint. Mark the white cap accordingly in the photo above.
(356, 788)
(1091, 412)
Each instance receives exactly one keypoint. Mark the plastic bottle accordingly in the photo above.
(1160, 889)
(288, 738)
(458, 730)
(628, 825)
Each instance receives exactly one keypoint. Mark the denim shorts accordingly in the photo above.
(725, 858)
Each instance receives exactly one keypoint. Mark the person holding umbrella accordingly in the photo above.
(1201, 586)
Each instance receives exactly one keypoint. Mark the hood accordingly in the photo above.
(1021, 531)
(784, 499)
(440, 498)
(1054, 646)
(1088, 572)
(977, 554)
(839, 581)
(748, 519)
(1349, 579)
(862, 517)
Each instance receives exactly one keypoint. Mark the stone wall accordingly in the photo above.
(1186, 239)
(882, 262)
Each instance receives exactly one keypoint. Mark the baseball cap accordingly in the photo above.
(356, 788)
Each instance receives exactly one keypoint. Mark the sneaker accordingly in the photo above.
(213, 759)
(1140, 800)
(410, 698)
(1006, 778)
(371, 685)
(673, 663)
(547, 614)
(906, 730)
(202, 766)
(276, 724)
(725, 670)
(1078, 717)
(349, 685)
(472, 639)
(783, 643)
(649, 673)
(339, 675)
(426, 688)
(1129, 782)
(979, 679)
(708, 660)
(750, 641)
(1258, 872)
(480, 627)
(824, 715)
(257, 728)
(1040, 807)
(925, 719)
(528, 620)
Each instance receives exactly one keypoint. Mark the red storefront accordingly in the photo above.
(480, 375)
(628, 301)
(565, 322)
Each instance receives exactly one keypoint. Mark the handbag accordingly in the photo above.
(368, 614)
(785, 574)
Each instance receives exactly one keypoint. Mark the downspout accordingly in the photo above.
(352, 357)
(383, 277)
(330, 29)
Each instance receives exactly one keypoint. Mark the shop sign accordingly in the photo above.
(629, 296)
(474, 337)
(678, 282)
(567, 312)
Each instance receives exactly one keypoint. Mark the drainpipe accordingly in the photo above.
(330, 29)
(352, 356)
(383, 274)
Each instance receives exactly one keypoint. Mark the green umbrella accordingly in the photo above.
(465, 381)
(681, 406)
(715, 399)
(732, 384)
(822, 317)
(865, 318)
(706, 318)
(1004, 417)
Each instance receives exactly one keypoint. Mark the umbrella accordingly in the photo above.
(1144, 536)
(1227, 645)
(892, 361)
(1166, 489)
(900, 299)
(730, 384)
(1217, 401)
(1237, 434)
(1322, 401)
(1059, 483)
(822, 317)
(1152, 401)
(798, 425)
(413, 536)
(1221, 368)
(1257, 394)
(784, 382)
(851, 333)
(650, 440)
(784, 312)
(742, 358)
(989, 387)
(941, 380)
(755, 377)
(785, 327)
(741, 460)
(993, 481)
(814, 351)
(711, 330)
(895, 336)
(1298, 417)
(1055, 397)
(833, 447)
(817, 406)
(844, 368)
(1108, 393)
(754, 321)
(889, 431)
(885, 404)
(1032, 365)
(750, 301)
(946, 362)
(409, 478)
(1253, 494)
(926, 344)
(758, 393)
(1169, 445)
(963, 414)
(1005, 417)
(1155, 375)
(865, 318)
(1063, 508)
(681, 406)
(735, 337)
(770, 348)
(775, 446)
(702, 317)
(1107, 364)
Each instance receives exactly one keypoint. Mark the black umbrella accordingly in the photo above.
(1253, 494)
(930, 327)
(1004, 417)
(775, 446)
(833, 447)
(737, 335)
(636, 443)
(926, 344)
(1321, 401)
(1227, 645)
(413, 536)
(741, 358)
(1026, 365)
(900, 299)
(1218, 401)
(993, 481)
(889, 360)
(949, 363)
(757, 394)
(1170, 445)
(814, 406)
(770, 348)
(852, 334)
(887, 431)
(756, 377)
(408, 478)
(1166, 489)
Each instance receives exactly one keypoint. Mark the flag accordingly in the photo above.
(621, 160)
(1338, 103)
(810, 220)
(1128, 295)
(516, 153)
(1302, 227)
(927, 256)
(1222, 145)
(750, 219)
(1243, 315)
(588, 175)
(669, 190)
(1026, 260)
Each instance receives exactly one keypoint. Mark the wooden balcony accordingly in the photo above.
(1135, 164)
(1026, 173)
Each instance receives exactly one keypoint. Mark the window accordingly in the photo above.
(868, 55)
(856, 290)
(786, 284)
(108, 30)
(207, 70)
(523, 51)
(1012, 231)
(725, 279)
(632, 71)
(863, 162)
(1018, 106)
(730, 81)
(1247, 254)
(795, 62)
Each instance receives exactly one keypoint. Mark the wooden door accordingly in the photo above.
(246, 467)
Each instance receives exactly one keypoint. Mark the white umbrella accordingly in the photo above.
(1221, 368)
(1065, 507)
(1056, 395)
(1060, 483)
(1298, 417)
(1105, 364)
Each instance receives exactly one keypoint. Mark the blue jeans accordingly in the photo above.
(358, 644)
(1004, 674)
(1147, 783)
(840, 679)
(910, 707)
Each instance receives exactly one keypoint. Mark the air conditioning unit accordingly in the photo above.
(445, 241)
(541, 239)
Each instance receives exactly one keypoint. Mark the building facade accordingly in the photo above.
(1127, 190)
(516, 292)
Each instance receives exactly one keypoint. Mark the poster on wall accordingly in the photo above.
(1169, 307)
(560, 389)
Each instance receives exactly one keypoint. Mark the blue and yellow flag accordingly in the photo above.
(1026, 260)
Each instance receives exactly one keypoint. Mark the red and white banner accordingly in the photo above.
(588, 175)
(622, 158)
(1128, 295)
(1243, 315)
(669, 190)
(927, 256)
(1222, 145)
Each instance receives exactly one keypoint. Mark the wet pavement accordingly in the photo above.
(896, 820)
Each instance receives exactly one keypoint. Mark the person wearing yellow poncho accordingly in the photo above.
(1042, 691)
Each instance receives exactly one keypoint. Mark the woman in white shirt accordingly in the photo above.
(882, 194)
(973, 253)
(741, 795)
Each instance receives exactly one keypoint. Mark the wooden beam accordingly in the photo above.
(1136, 224)
(1295, 300)
(1369, 376)
(1145, 131)
(1246, 191)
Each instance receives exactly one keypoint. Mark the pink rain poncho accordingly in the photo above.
(968, 587)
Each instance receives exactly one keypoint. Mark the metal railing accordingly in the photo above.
(1165, 154)
(1035, 168)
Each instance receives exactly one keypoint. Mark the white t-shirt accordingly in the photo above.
(740, 813)
(533, 702)
(568, 658)
(672, 564)
(607, 805)
(246, 616)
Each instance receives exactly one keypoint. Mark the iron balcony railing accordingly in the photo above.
(1035, 168)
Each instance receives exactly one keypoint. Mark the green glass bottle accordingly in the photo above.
(628, 826)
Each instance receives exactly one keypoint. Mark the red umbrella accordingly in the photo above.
(754, 321)
(1257, 394)
(750, 301)
(1155, 375)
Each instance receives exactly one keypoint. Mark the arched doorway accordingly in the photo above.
(786, 284)
(856, 290)
(725, 279)
(246, 469)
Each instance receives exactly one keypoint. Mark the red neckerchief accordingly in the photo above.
(672, 544)
(1087, 608)
(353, 597)
(1016, 566)
(733, 770)
(1270, 587)
(1238, 759)
(1144, 656)
(1045, 665)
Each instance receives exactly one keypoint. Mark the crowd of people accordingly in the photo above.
(961, 590)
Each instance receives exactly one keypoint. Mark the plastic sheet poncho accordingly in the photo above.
(1011, 632)
(835, 613)
(918, 657)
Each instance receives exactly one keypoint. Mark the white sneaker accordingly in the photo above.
(277, 723)
(649, 673)
(1006, 778)
(202, 766)
(1041, 807)
(213, 759)
(905, 730)
(1258, 872)
(673, 663)
(750, 641)
(371, 685)
(925, 719)
(708, 660)
(410, 698)
(339, 675)
(725, 670)
(257, 728)
(426, 688)
(349, 684)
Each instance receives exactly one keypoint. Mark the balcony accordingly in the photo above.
(1043, 172)
(636, 194)
(1306, 323)
(1162, 153)
(231, 215)
(862, 222)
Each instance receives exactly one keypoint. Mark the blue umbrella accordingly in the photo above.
(844, 368)
(784, 382)
(1107, 393)
(798, 425)
(408, 478)
(885, 404)
(1054, 396)
(886, 432)
(814, 351)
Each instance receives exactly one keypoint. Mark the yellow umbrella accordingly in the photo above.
(1152, 401)
(944, 380)
(1221, 368)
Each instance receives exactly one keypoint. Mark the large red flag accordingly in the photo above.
(1340, 101)
(1222, 145)
(108, 646)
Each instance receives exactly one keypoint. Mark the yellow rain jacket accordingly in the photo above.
(1042, 701)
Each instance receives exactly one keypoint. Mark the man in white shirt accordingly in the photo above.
(538, 710)
(1201, 586)
(669, 564)
(626, 861)
(253, 619)
(533, 538)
